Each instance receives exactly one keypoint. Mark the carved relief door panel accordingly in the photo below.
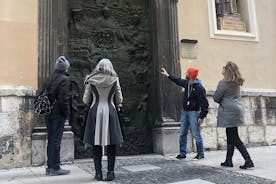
(118, 30)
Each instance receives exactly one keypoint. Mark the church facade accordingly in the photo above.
(139, 37)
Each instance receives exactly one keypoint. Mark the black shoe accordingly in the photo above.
(198, 157)
(60, 171)
(180, 156)
(47, 171)
(227, 163)
(99, 176)
(247, 165)
(110, 176)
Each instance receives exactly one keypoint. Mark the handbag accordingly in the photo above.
(42, 105)
(120, 117)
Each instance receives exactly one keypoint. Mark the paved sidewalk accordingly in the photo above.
(264, 159)
(156, 169)
(36, 175)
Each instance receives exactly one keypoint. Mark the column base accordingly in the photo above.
(166, 139)
(39, 146)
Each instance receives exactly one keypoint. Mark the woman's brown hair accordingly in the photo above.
(232, 73)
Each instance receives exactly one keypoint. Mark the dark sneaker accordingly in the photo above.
(59, 172)
(180, 156)
(47, 171)
(198, 157)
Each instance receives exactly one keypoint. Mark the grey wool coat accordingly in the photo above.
(102, 124)
(231, 110)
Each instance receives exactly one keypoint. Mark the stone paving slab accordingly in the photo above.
(196, 181)
(172, 171)
(137, 168)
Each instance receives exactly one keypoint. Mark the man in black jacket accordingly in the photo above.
(195, 109)
(57, 86)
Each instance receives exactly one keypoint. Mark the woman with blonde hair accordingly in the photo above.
(231, 112)
(102, 89)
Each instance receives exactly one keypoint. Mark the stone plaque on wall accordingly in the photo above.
(231, 23)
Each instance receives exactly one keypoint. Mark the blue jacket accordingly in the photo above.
(194, 99)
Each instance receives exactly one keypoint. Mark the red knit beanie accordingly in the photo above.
(193, 72)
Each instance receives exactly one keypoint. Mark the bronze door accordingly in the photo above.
(118, 30)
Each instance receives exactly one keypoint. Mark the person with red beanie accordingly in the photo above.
(195, 109)
(193, 72)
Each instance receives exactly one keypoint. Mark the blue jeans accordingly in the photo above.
(189, 120)
(55, 127)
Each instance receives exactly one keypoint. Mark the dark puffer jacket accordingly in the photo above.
(197, 99)
(57, 86)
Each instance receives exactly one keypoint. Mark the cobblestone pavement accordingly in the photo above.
(162, 170)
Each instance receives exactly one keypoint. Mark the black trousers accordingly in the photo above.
(233, 140)
(233, 136)
(111, 156)
(55, 127)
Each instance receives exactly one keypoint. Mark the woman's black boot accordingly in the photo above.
(111, 157)
(98, 167)
(97, 155)
(227, 163)
(230, 152)
(99, 176)
(110, 176)
(248, 164)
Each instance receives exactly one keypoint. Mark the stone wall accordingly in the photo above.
(22, 144)
(16, 123)
(259, 129)
(260, 118)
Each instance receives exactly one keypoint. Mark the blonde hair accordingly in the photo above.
(232, 73)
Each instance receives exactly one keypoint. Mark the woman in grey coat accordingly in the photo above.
(102, 89)
(231, 112)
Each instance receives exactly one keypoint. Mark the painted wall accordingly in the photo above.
(257, 60)
(19, 42)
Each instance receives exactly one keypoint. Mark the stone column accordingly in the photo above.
(52, 35)
(52, 43)
(165, 54)
(167, 94)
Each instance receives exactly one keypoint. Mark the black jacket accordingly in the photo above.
(57, 86)
(196, 100)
